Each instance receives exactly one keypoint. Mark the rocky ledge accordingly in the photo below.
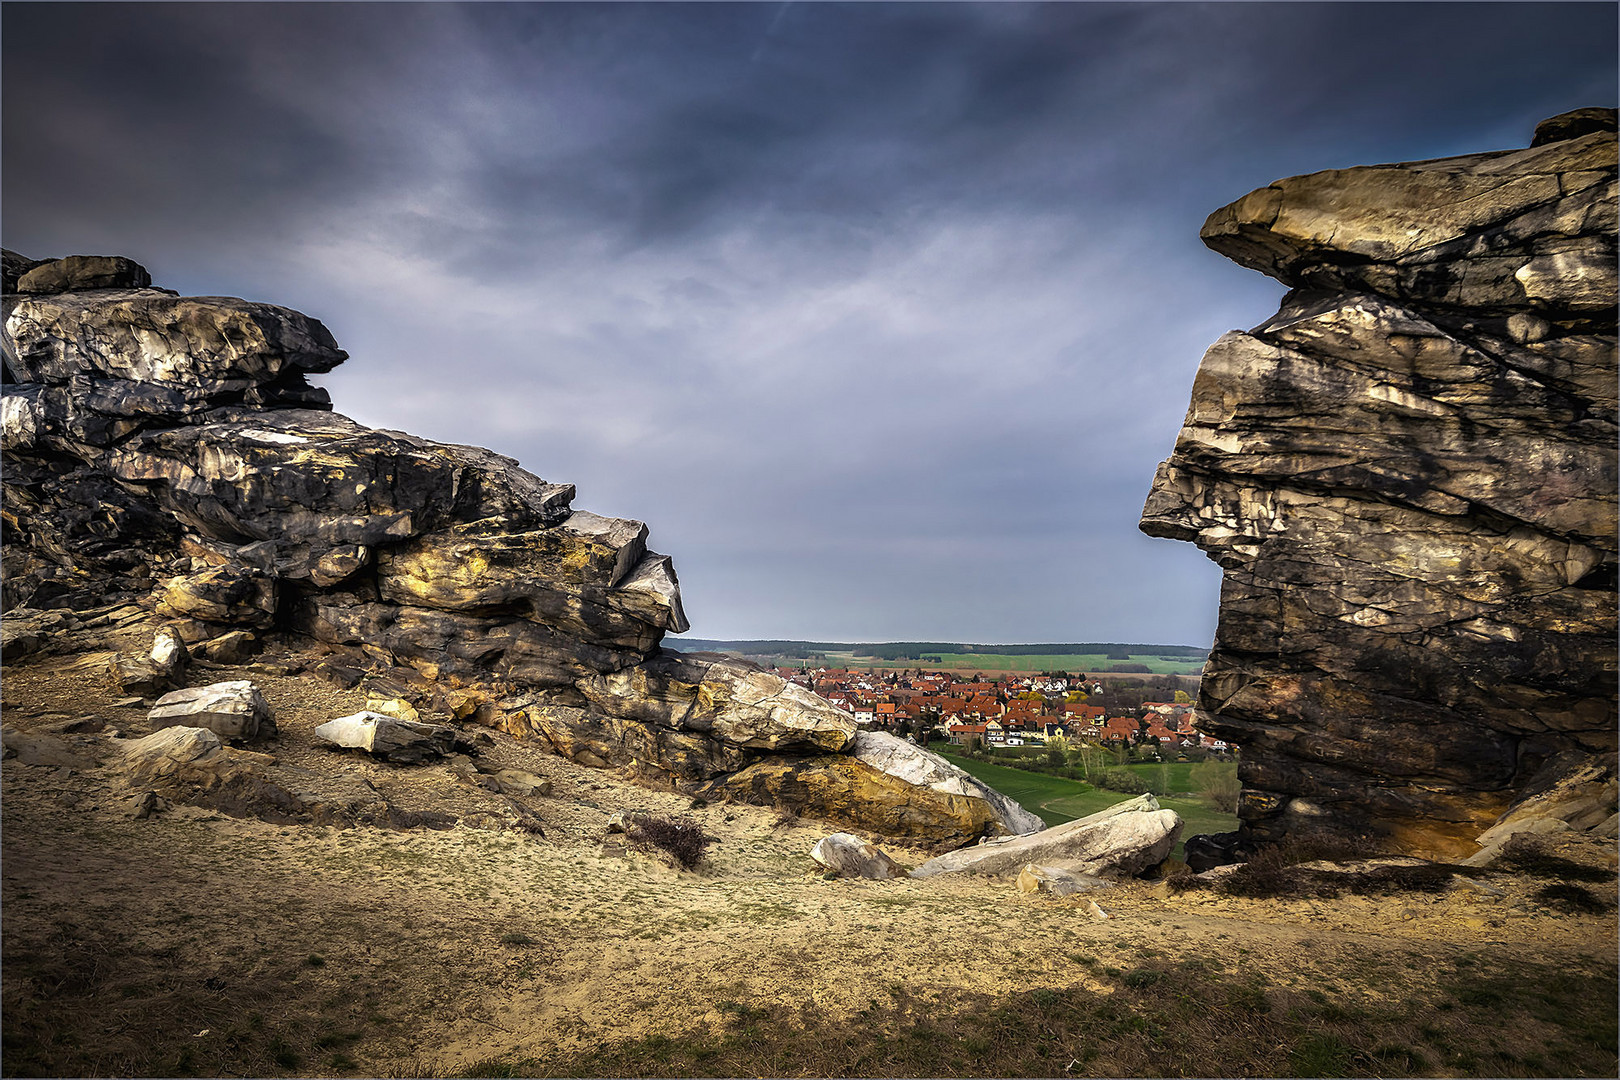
(167, 463)
(1408, 475)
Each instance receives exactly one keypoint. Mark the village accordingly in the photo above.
(1011, 710)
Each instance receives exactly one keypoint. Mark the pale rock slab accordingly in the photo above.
(231, 710)
(907, 761)
(402, 741)
(850, 856)
(1121, 840)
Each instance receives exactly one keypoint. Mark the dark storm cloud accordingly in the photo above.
(881, 314)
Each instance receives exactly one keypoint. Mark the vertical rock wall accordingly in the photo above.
(1408, 475)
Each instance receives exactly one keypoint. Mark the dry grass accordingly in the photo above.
(1159, 1018)
(188, 943)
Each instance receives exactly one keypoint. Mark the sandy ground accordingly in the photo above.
(189, 942)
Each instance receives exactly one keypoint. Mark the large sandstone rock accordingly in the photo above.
(909, 762)
(1122, 840)
(169, 452)
(1409, 478)
(844, 790)
(732, 702)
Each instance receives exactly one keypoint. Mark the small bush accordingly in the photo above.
(1572, 899)
(1122, 780)
(683, 841)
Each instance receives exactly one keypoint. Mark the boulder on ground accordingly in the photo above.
(851, 793)
(232, 710)
(1055, 881)
(139, 675)
(402, 741)
(1121, 840)
(159, 753)
(850, 856)
(229, 648)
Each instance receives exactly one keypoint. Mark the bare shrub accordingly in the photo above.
(683, 841)
(1217, 781)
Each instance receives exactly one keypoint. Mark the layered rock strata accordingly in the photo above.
(1408, 475)
(169, 454)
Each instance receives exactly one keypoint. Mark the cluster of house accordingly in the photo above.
(1013, 711)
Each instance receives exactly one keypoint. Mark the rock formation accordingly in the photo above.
(1408, 475)
(1124, 839)
(166, 458)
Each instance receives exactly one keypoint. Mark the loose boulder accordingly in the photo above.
(1119, 841)
(849, 856)
(403, 741)
(169, 652)
(231, 710)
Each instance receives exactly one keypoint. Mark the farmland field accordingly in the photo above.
(1000, 662)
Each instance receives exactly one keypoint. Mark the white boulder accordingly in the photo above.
(403, 741)
(1122, 840)
(231, 710)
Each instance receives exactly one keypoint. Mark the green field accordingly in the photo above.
(1055, 799)
(989, 662)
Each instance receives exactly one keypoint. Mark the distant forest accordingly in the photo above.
(915, 650)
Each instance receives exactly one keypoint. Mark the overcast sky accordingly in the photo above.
(881, 316)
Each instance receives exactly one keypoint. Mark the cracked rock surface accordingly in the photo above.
(1408, 475)
(166, 458)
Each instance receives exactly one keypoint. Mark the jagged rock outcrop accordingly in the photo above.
(1408, 475)
(169, 453)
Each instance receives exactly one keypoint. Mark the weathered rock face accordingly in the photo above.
(169, 452)
(1408, 475)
